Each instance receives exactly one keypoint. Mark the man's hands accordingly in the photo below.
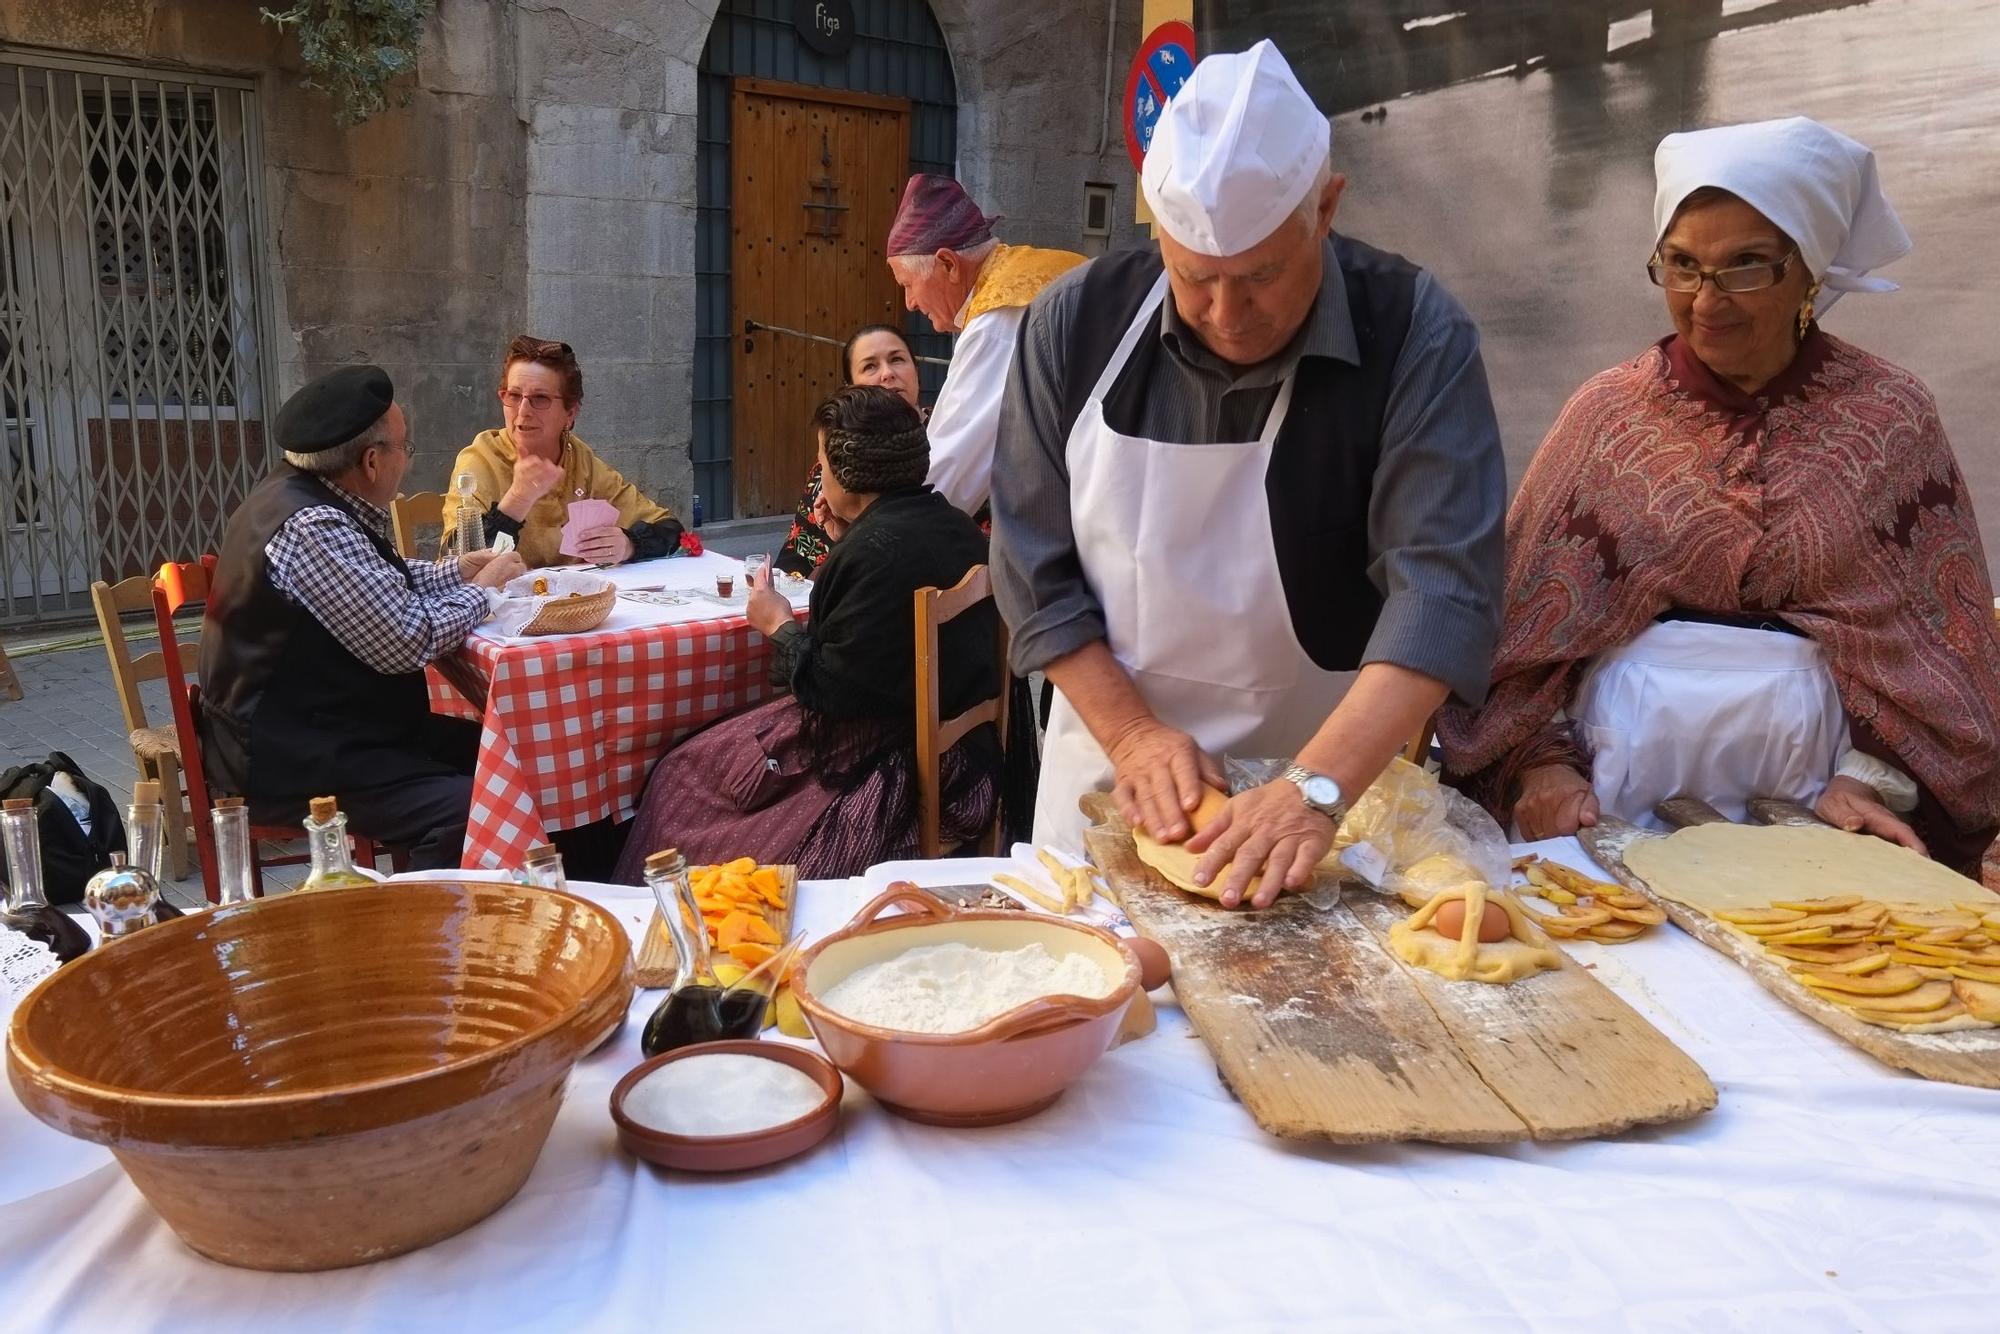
(1270, 840)
(491, 569)
(1160, 773)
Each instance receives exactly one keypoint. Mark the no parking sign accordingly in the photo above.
(1163, 64)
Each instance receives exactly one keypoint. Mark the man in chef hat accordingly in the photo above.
(1229, 474)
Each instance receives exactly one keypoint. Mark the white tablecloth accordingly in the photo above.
(692, 576)
(1824, 1193)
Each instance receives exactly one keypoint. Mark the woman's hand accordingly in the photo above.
(1555, 800)
(832, 524)
(609, 545)
(767, 610)
(1850, 804)
(534, 477)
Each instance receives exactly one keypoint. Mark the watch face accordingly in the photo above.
(1321, 790)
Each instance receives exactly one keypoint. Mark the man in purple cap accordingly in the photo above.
(951, 267)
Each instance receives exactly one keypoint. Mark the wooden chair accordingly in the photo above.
(155, 749)
(935, 607)
(410, 513)
(10, 684)
(1419, 748)
(175, 587)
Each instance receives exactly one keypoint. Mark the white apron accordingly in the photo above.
(1719, 712)
(1176, 543)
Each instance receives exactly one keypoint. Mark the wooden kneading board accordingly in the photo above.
(658, 960)
(1323, 1034)
(1969, 1057)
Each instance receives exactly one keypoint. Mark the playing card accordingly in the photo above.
(585, 515)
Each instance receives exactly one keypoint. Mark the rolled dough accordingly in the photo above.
(1717, 867)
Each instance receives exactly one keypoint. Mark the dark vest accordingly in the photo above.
(1322, 468)
(287, 711)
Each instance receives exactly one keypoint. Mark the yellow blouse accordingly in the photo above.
(490, 459)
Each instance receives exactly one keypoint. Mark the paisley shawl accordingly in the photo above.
(1832, 501)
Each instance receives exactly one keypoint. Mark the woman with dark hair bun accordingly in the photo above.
(526, 473)
(824, 778)
(876, 354)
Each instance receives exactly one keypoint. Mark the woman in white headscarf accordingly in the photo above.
(1744, 563)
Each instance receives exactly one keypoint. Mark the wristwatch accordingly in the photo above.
(1321, 793)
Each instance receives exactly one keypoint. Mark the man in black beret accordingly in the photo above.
(317, 634)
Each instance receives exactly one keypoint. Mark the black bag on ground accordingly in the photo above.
(69, 856)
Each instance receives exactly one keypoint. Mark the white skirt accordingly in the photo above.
(1717, 712)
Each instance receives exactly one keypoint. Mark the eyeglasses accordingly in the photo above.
(1737, 278)
(539, 402)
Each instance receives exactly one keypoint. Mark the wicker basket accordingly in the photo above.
(573, 614)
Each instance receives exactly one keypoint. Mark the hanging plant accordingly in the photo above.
(353, 48)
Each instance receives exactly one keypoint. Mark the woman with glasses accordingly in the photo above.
(527, 472)
(1744, 562)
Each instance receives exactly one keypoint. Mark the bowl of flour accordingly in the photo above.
(964, 1017)
(726, 1106)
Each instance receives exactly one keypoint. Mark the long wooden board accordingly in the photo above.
(1971, 1057)
(1323, 1034)
(658, 960)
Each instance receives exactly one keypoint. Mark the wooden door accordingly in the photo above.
(816, 174)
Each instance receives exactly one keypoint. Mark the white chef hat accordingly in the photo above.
(1816, 184)
(1234, 152)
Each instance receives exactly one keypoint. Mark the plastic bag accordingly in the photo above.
(1408, 834)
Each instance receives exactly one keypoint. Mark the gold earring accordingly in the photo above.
(1806, 312)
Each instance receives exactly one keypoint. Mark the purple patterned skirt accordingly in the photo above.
(742, 788)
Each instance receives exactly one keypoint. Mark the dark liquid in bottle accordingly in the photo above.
(702, 1013)
(65, 939)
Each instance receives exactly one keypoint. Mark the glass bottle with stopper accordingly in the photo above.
(542, 867)
(332, 858)
(28, 909)
(468, 533)
(698, 1008)
(146, 843)
(233, 865)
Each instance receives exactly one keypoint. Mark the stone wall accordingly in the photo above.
(542, 179)
(399, 241)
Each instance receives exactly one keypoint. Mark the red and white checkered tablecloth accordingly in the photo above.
(574, 723)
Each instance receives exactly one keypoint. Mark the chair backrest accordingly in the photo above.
(174, 587)
(409, 513)
(935, 736)
(1419, 748)
(113, 603)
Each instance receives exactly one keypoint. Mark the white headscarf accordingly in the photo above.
(1817, 185)
(1234, 152)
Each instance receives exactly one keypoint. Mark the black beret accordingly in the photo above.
(334, 409)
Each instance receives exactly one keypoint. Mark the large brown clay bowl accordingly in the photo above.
(326, 1079)
(1014, 1065)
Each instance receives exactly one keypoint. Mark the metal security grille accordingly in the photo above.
(898, 51)
(132, 379)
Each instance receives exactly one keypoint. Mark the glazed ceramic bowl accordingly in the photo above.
(1014, 1065)
(326, 1079)
(732, 1153)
